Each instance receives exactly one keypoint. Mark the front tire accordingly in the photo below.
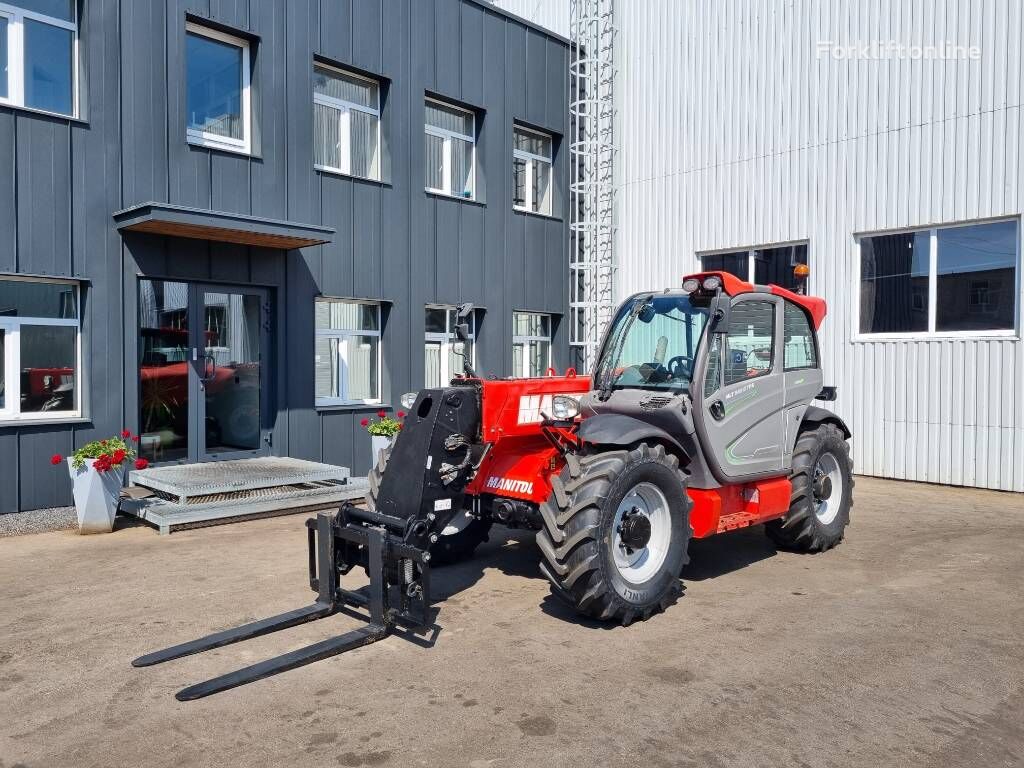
(822, 495)
(456, 542)
(616, 531)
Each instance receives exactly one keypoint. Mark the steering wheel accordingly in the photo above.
(680, 362)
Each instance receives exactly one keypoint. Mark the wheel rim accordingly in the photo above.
(643, 513)
(827, 488)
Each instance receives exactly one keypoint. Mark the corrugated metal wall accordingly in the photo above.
(733, 132)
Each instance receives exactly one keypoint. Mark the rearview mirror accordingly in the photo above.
(720, 313)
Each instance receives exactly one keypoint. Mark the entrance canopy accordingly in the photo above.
(202, 224)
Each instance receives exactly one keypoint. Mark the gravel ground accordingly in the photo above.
(38, 521)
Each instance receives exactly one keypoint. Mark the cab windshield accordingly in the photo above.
(652, 344)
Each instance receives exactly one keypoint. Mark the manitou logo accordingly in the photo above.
(533, 407)
(495, 483)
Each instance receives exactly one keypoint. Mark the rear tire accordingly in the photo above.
(456, 542)
(822, 495)
(585, 539)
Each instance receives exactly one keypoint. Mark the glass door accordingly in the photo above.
(202, 371)
(230, 374)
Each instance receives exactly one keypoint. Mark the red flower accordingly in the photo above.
(126, 433)
(364, 423)
(381, 414)
(119, 456)
(102, 463)
(401, 414)
(400, 426)
(56, 459)
(135, 438)
(141, 463)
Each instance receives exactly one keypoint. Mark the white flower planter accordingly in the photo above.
(96, 496)
(378, 443)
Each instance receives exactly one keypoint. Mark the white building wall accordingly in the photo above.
(550, 14)
(732, 132)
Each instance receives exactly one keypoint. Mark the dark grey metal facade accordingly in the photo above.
(63, 179)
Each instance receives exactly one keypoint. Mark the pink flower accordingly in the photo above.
(141, 463)
(56, 459)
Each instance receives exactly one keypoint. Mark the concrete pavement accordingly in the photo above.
(901, 647)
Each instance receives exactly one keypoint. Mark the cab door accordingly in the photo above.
(740, 400)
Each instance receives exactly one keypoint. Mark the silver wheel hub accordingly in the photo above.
(641, 533)
(827, 488)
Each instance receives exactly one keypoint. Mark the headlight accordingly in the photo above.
(691, 284)
(564, 407)
(408, 399)
(712, 283)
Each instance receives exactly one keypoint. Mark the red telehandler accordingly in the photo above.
(697, 420)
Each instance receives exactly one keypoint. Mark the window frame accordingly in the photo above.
(525, 339)
(343, 334)
(11, 413)
(16, 16)
(751, 257)
(446, 150)
(933, 283)
(199, 138)
(447, 340)
(344, 109)
(531, 164)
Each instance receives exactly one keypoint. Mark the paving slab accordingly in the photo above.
(902, 647)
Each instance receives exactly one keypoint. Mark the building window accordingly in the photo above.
(218, 99)
(38, 55)
(443, 351)
(347, 366)
(450, 148)
(958, 279)
(531, 344)
(761, 266)
(40, 350)
(346, 123)
(531, 171)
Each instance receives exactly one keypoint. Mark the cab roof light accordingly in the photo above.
(712, 283)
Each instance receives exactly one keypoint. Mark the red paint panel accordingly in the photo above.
(716, 510)
(521, 460)
(733, 286)
(815, 306)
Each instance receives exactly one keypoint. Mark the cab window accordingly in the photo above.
(799, 348)
(749, 345)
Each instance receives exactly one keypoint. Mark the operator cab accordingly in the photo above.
(735, 365)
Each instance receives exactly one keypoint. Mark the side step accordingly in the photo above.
(335, 542)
